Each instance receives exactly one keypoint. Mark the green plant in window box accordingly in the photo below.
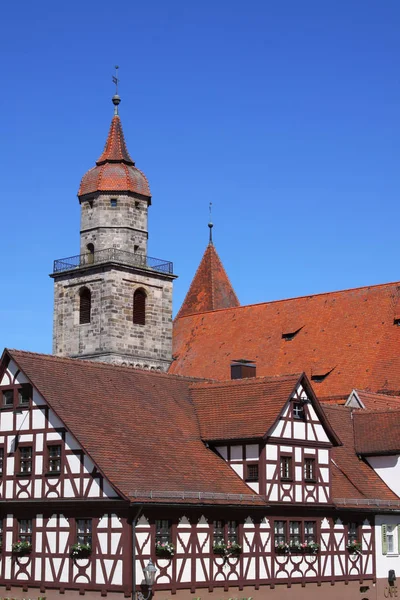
(282, 548)
(354, 547)
(311, 547)
(233, 549)
(295, 547)
(219, 548)
(22, 548)
(80, 550)
(165, 549)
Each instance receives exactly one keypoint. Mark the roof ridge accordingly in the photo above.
(373, 411)
(335, 406)
(212, 257)
(246, 380)
(380, 394)
(241, 306)
(226, 274)
(99, 364)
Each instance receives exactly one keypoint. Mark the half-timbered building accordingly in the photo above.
(245, 488)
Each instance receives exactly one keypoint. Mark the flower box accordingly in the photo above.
(311, 548)
(80, 551)
(296, 549)
(304, 548)
(282, 548)
(354, 547)
(219, 548)
(165, 549)
(233, 549)
(21, 548)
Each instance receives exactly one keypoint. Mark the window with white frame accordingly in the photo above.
(392, 539)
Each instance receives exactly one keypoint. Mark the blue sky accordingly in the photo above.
(284, 115)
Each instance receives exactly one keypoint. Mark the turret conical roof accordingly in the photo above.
(210, 288)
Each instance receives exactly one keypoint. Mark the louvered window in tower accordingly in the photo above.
(139, 307)
(85, 305)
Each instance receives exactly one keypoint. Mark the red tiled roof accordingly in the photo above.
(240, 409)
(152, 441)
(210, 288)
(350, 332)
(352, 477)
(371, 400)
(115, 171)
(377, 432)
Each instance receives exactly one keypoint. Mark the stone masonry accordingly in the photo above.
(111, 335)
(114, 221)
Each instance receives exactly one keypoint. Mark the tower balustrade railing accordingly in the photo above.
(114, 255)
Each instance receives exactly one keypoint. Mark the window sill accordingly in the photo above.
(310, 481)
(251, 480)
(286, 480)
(23, 475)
(52, 474)
(6, 407)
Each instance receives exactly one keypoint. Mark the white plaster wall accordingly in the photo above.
(388, 469)
(385, 562)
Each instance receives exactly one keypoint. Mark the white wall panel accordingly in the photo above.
(38, 419)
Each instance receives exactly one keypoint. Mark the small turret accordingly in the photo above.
(210, 288)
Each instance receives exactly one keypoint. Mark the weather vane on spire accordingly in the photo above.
(116, 99)
(210, 223)
(115, 79)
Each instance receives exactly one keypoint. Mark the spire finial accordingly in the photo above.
(116, 99)
(210, 224)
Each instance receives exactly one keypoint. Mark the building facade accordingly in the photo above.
(274, 504)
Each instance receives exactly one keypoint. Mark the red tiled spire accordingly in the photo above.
(210, 288)
(115, 149)
(115, 170)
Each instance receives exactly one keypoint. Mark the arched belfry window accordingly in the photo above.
(85, 305)
(139, 307)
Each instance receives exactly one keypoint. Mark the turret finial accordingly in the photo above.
(116, 99)
(210, 224)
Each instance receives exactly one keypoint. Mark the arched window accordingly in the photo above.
(90, 249)
(85, 304)
(139, 307)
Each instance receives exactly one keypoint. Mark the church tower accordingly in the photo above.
(112, 302)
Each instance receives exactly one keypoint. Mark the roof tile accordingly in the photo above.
(115, 171)
(351, 330)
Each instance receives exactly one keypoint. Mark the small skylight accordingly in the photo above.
(319, 373)
(289, 335)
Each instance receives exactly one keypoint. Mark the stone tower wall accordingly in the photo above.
(111, 336)
(123, 226)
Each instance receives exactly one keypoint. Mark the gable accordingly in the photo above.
(299, 420)
(42, 458)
